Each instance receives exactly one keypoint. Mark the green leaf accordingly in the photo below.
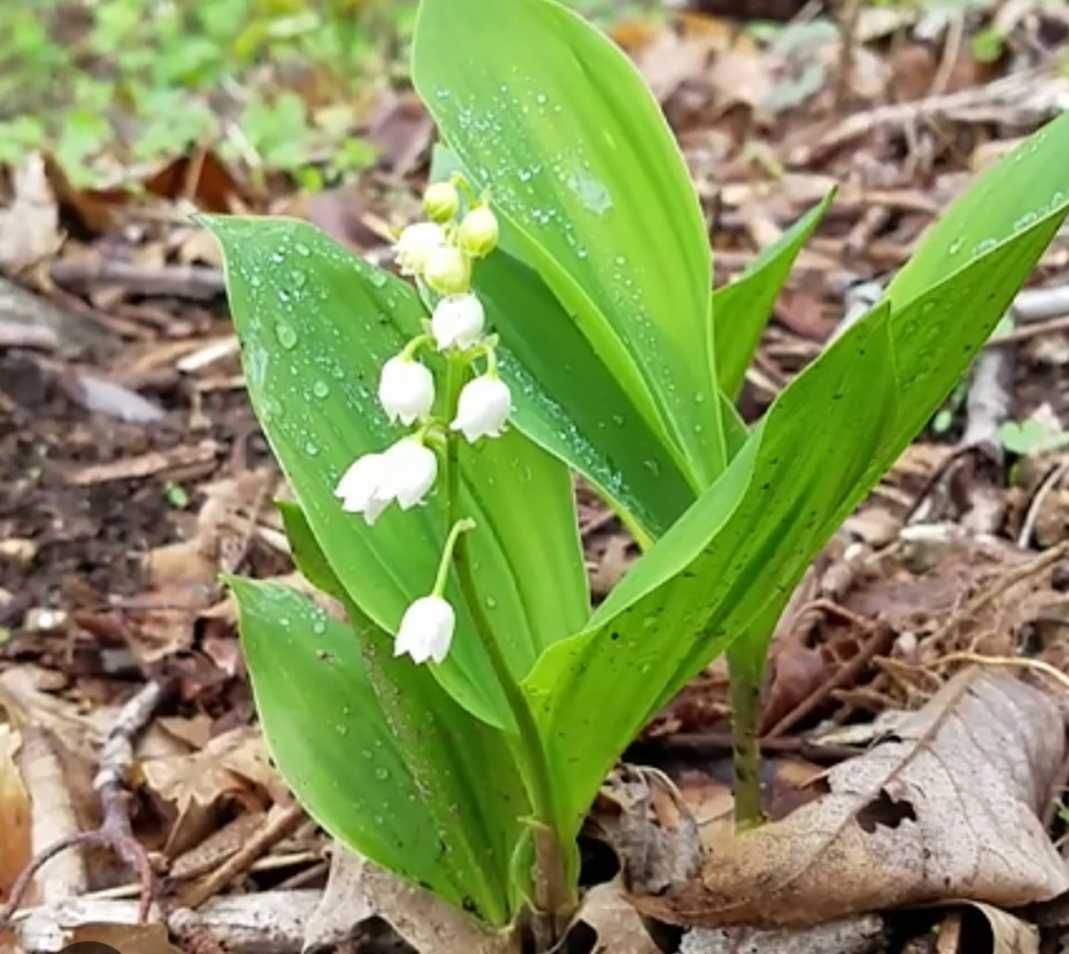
(316, 325)
(567, 400)
(550, 116)
(742, 309)
(383, 777)
(307, 556)
(740, 547)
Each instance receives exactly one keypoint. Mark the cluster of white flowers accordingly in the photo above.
(439, 254)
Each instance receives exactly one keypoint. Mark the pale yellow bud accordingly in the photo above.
(479, 232)
(441, 201)
(448, 271)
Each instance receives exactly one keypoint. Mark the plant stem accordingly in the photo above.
(746, 748)
(554, 895)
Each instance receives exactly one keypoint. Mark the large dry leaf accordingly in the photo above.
(233, 766)
(358, 890)
(945, 809)
(15, 847)
(29, 227)
(862, 934)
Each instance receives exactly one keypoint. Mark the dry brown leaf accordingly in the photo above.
(232, 766)
(15, 847)
(945, 809)
(29, 227)
(671, 60)
(358, 890)
(1009, 934)
(613, 918)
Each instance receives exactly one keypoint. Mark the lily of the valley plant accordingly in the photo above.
(555, 316)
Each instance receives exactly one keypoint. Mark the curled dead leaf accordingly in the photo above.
(947, 808)
(358, 891)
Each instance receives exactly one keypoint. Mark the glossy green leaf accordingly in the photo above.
(727, 568)
(306, 554)
(735, 550)
(550, 116)
(316, 326)
(742, 309)
(567, 401)
(379, 754)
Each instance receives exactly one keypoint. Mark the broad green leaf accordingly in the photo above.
(729, 565)
(567, 401)
(740, 547)
(316, 326)
(550, 116)
(306, 554)
(384, 777)
(754, 532)
(742, 309)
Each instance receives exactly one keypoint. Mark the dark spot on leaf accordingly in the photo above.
(884, 810)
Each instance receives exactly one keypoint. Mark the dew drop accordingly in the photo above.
(287, 337)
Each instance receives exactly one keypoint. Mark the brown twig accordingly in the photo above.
(848, 24)
(115, 832)
(1024, 538)
(1006, 581)
(1017, 662)
(877, 642)
(178, 281)
(1030, 331)
(278, 825)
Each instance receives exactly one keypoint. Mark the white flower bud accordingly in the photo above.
(426, 630)
(483, 408)
(406, 389)
(458, 321)
(441, 201)
(448, 270)
(415, 246)
(411, 471)
(479, 232)
(362, 488)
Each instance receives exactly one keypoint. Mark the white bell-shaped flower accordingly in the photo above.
(426, 630)
(406, 389)
(363, 487)
(411, 469)
(458, 321)
(483, 408)
(416, 244)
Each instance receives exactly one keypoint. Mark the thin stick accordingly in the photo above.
(1030, 331)
(115, 832)
(277, 826)
(1024, 538)
(874, 645)
(1017, 662)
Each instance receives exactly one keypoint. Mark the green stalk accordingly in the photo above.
(554, 895)
(745, 744)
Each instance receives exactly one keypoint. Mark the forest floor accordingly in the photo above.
(133, 472)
